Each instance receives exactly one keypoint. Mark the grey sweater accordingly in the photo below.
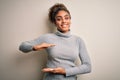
(68, 48)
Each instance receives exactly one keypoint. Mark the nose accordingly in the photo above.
(63, 20)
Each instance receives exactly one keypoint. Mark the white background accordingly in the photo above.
(97, 22)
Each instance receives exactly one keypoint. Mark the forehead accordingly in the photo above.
(62, 13)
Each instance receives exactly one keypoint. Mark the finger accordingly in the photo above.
(56, 71)
(59, 70)
(50, 45)
(47, 69)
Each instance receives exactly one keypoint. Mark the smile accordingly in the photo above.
(64, 25)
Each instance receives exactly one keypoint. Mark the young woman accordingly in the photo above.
(62, 47)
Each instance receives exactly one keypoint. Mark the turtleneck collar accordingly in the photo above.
(66, 35)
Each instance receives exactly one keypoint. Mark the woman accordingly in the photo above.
(62, 47)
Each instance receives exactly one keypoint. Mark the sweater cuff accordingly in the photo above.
(25, 47)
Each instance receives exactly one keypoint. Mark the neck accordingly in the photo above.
(65, 34)
(63, 31)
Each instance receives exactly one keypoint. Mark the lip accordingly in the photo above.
(64, 25)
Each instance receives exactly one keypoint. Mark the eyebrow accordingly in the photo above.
(64, 16)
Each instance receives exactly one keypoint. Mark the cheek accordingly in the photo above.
(57, 23)
(69, 21)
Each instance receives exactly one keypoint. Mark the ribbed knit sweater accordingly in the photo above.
(65, 52)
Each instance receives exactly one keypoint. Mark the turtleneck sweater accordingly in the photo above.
(67, 49)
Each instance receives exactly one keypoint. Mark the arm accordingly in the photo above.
(34, 45)
(85, 66)
(27, 46)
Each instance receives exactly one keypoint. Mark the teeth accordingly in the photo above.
(64, 25)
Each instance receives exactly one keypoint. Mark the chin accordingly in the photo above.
(65, 30)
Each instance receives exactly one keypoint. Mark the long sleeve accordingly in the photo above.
(27, 46)
(85, 66)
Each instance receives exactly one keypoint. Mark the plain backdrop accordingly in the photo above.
(97, 22)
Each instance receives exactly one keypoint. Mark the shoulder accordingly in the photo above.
(78, 39)
(46, 37)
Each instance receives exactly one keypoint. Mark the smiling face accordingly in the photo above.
(63, 21)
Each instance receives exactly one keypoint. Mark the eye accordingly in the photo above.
(66, 18)
(58, 19)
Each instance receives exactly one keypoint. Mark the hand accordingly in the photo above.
(58, 70)
(42, 46)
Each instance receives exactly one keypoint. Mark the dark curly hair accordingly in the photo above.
(55, 9)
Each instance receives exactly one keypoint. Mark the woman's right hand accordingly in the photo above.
(42, 46)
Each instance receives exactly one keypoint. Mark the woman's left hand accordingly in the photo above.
(58, 70)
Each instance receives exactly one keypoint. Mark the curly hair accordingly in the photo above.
(55, 9)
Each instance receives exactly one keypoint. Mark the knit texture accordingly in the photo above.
(65, 52)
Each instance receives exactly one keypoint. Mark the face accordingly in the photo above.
(63, 21)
